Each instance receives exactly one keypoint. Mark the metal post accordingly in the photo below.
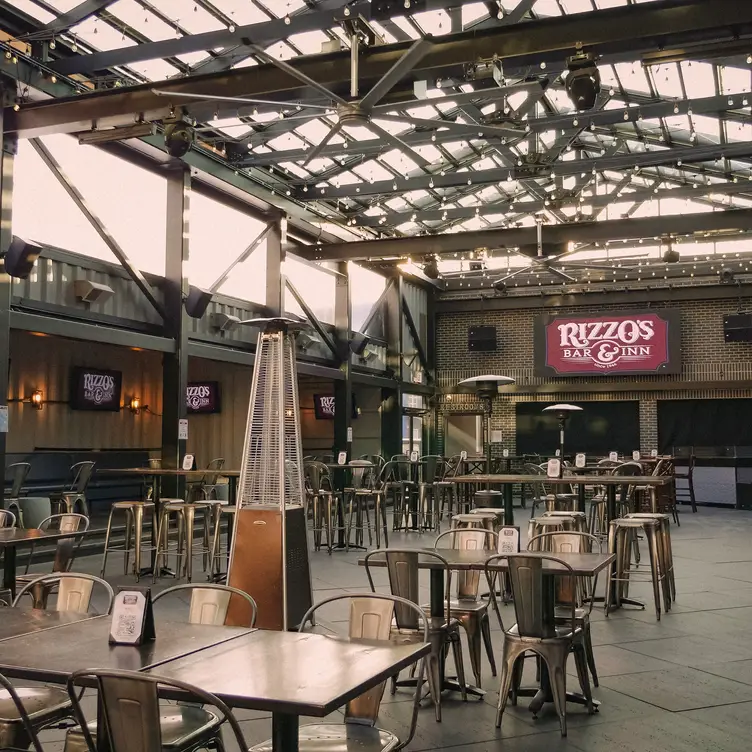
(391, 398)
(175, 365)
(343, 387)
(275, 256)
(7, 156)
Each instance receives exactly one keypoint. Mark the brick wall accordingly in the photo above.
(706, 357)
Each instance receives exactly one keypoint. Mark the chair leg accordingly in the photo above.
(472, 630)
(329, 502)
(459, 664)
(588, 642)
(434, 682)
(692, 499)
(654, 565)
(138, 524)
(189, 515)
(511, 657)
(580, 660)
(106, 543)
(128, 536)
(485, 630)
(556, 660)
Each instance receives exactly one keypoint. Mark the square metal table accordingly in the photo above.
(12, 537)
(291, 674)
(17, 622)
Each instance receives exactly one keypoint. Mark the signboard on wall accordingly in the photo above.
(203, 397)
(323, 405)
(638, 342)
(94, 389)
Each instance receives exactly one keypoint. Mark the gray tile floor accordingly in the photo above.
(678, 685)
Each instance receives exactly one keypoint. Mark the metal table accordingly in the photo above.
(18, 622)
(291, 674)
(12, 537)
(156, 475)
(585, 565)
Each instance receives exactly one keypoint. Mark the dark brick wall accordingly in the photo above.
(705, 358)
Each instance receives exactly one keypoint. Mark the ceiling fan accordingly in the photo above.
(362, 111)
(548, 254)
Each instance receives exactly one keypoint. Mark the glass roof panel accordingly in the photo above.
(100, 35)
(33, 10)
(666, 80)
(191, 16)
(242, 12)
(734, 80)
(698, 78)
(473, 13)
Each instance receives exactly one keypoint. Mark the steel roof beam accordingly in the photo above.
(671, 23)
(499, 174)
(76, 15)
(576, 232)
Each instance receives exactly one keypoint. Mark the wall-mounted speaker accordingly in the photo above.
(481, 339)
(21, 256)
(737, 327)
(197, 302)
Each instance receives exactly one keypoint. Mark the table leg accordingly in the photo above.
(580, 497)
(157, 486)
(508, 504)
(284, 732)
(9, 569)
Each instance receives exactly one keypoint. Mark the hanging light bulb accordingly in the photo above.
(407, 4)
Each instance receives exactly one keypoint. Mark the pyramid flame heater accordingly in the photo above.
(269, 557)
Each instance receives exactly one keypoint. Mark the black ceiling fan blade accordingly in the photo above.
(397, 72)
(335, 129)
(464, 130)
(238, 100)
(398, 143)
(559, 273)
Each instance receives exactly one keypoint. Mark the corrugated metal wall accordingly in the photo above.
(45, 363)
(417, 302)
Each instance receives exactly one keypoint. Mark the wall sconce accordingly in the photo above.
(135, 405)
(36, 399)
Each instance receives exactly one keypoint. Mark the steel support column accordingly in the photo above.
(175, 365)
(275, 256)
(343, 389)
(391, 397)
(7, 156)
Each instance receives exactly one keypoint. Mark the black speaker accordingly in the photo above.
(481, 339)
(20, 258)
(359, 342)
(197, 302)
(737, 327)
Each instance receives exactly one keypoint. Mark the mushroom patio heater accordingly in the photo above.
(562, 412)
(269, 557)
(486, 388)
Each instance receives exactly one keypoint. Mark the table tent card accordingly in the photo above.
(636, 456)
(613, 456)
(554, 467)
(509, 539)
(188, 462)
(342, 458)
(580, 460)
(132, 617)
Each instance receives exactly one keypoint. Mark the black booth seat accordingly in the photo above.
(50, 472)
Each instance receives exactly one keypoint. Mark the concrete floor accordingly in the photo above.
(681, 684)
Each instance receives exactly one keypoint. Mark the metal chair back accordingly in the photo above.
(316, 476)
(209, 602)
(370, 618)
(404, 579)
(452, 466)
(375, 459)
(81, 474)
(129, 701)
(19, 471)
(66, 548)
(469, 539)
(430, 468)
(74, 591)
(361, 474)
(7, 518)
(531, 588)
(684, 467)
(28, 727)
(403, 468)
(626, 490)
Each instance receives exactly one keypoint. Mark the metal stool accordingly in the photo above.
(550, 524)
(71, 499)
(134, 527)
(498, 515)
(476, 519)
(622, 535)
(185, 512)
(579, 519)
(217, 551)
(665, 531)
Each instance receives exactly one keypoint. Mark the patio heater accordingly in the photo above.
(486, 388)
(269, 556)
(562, 412)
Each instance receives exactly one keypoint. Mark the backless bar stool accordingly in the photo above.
(134, 527)
(622, 534)
(579, 519)
(550, 523)
(185, 512)
(477, 519)
(665, 532)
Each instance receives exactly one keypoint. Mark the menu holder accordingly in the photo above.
(413, 456)
(613, 456)
(342, 458)
(580, 460)
(188, 462)
(509, 539)
(132, 617)
(558, 452)
(505, 453)
(463, 455)
(553, 468)
(636, 456)
(653, 452)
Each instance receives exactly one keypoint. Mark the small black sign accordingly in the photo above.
(93, 389)
(203, 397)
(132, 617)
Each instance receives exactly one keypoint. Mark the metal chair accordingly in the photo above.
(573, 541)
(467, 606)
(319, 493)
(356, 498)
(65, 548)
(445, 488)
(7, 518)
(404, 512)
(134, 529)
(75, 494)
(17, 727)
(209, 602)
(74, 590)
(428, 500)
(136, 720)
(370, 619)
(19, 472)
(404, 580)
(206, 488)
(539, 493)
(685, 473)
(30, 510)
(551, 642)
